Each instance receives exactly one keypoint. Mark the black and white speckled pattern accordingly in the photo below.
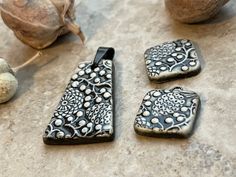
(85, 112)
(167, 113)
(172, 60)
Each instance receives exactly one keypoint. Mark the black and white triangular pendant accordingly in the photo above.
(85, 112)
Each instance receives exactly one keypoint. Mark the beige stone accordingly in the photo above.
(194, 11)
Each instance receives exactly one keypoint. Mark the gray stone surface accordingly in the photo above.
(131, 26)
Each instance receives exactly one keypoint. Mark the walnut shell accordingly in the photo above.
(39, 23)
(193, 11)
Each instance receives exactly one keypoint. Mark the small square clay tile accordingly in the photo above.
(172, 60)
(167, 113)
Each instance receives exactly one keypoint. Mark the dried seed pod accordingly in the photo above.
(39, 23)
(193, 11)
(4, 67)
(8, 82)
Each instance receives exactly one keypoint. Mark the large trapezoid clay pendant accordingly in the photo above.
(172, 60)
(167, 113)
(85, 112)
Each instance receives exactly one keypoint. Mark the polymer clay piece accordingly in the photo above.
(85, 112)
(167, 113)
(172, 60)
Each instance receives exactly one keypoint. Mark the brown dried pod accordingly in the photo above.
(38, 23)
(193, 11)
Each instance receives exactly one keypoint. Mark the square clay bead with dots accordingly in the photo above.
(167, 113)
(172, 60)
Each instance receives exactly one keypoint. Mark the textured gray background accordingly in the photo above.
(130, 26)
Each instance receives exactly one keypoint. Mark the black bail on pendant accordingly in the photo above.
(103, 53)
